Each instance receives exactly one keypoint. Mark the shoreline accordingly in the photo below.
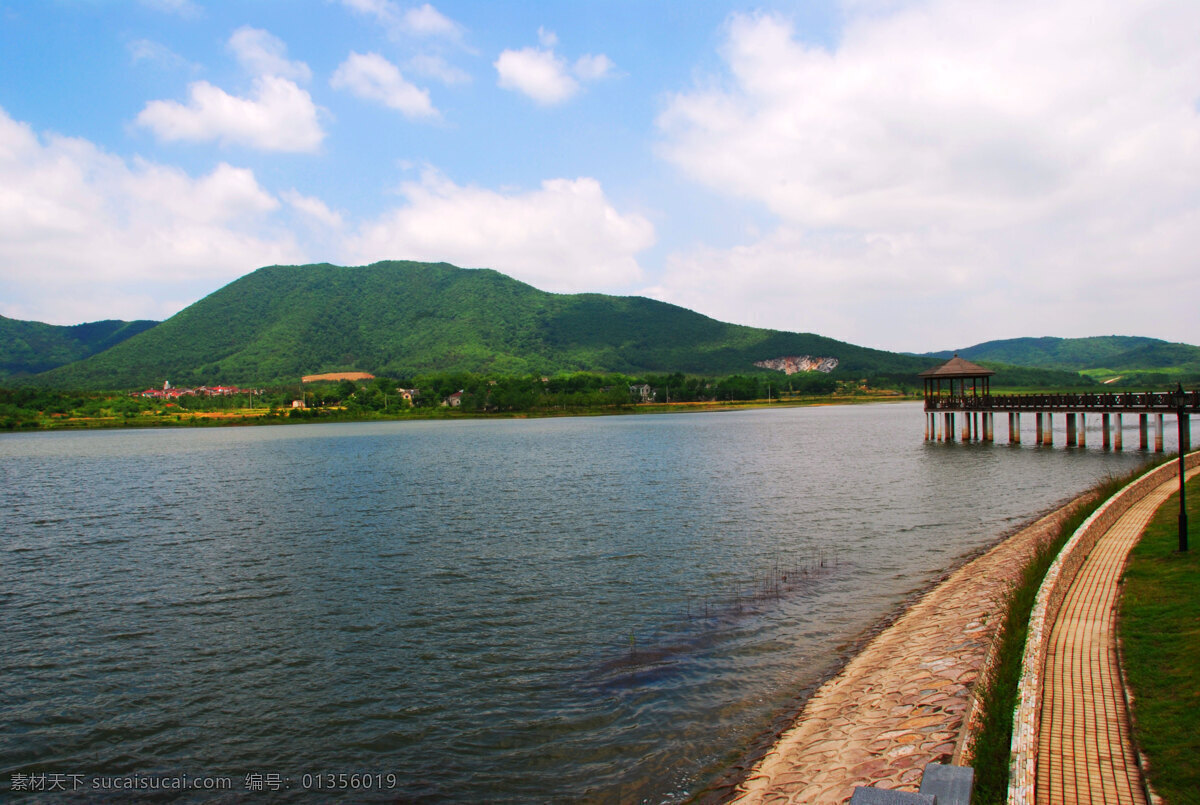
(263, 417)
(741, 781)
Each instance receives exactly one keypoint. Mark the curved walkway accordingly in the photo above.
(1085, 754)
(905, 700)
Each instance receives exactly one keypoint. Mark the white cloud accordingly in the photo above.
(979, 170)
(545, 76)
(593, 68)
(373, 77)
(435, 66)
(262, 53)
(425, 20)
(384, 10)
(565, 236)
(313, 209)
(417, 21)
(147, 50)
(540, 74)
(278, 116)
(87, 235)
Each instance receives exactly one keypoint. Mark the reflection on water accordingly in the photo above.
(521, 610)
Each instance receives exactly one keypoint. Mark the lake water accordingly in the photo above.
(597, 609)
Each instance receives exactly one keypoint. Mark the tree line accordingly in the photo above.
(29, 407)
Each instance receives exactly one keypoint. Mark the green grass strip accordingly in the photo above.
(1160, 634)
(997, 691)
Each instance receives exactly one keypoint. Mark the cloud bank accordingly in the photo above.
(565, 236)
(89, 235)
(946, 162)
(372, 77)
(543, 75)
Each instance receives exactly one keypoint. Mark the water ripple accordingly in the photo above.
(537, 610)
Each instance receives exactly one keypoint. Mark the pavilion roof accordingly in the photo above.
(957, 367)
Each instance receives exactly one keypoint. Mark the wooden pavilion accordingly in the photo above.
(967, 388)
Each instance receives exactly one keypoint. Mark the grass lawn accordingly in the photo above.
(1160, 632)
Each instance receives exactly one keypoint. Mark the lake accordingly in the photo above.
(576, 609)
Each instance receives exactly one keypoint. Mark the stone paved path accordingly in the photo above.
(905, 699)
(1084, 750)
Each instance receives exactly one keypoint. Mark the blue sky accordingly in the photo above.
(906, 175)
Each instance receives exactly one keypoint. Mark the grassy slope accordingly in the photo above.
(1160, 634)
(400, 318)
(29, 347)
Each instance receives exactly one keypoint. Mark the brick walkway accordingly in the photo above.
(1084, 750)
(905, 699)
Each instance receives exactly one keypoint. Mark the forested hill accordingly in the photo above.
(29, 347)
(402, 318)
(1131, 357)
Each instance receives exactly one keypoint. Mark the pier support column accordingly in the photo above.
(1082, 430)
(1117, 433)
(1048, 431)
(947, 427)
(1012, 430)
(1039, 427)
(1106, 421)
(1158, 444)
(966, 428)
(1143, 432)
(1072, 434)
(989, 432)
(1015, 433)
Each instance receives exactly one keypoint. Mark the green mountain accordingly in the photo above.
(402, 318)
(29, 347)
(1128, 360)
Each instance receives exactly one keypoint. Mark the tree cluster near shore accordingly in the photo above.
(32, 408)
(27, 407)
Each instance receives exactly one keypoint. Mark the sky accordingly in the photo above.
(904, 175)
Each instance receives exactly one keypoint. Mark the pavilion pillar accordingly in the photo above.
(1048, 431)
(1158, 430)
(1106, 419)
(1143, 432)
(1117, 433)
(1072, 434)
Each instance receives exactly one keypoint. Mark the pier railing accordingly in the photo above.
(1162, 402)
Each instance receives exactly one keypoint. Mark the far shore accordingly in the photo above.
(265, 416)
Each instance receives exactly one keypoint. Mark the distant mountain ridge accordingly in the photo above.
(1102, 357)
(400, 318)
(31, 347)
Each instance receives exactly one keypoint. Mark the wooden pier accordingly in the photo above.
(961, 388)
